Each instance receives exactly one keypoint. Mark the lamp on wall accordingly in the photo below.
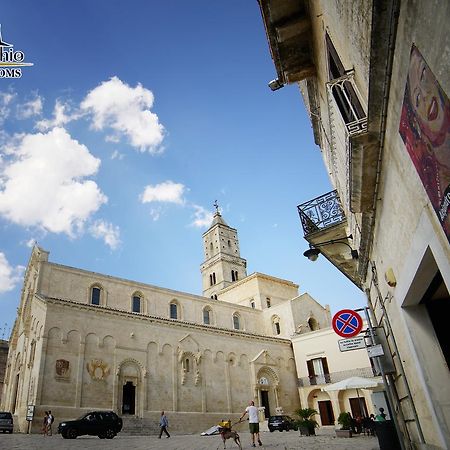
(313, 252)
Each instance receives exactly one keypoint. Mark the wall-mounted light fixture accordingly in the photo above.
(276, 84)
(313, 252)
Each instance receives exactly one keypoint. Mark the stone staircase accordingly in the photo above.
(136, 426)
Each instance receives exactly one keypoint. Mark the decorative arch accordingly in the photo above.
(137, 302)
(237, 321)
(207, 315)
(276, 326)
(132, 361)
(313, 324)
(268, 372)
(175, 309)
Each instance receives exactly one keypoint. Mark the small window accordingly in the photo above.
(95, 296)
(313, 324)
(234, 275)
(206, 316)
(236, 322)
(186, 364)
(173, 311)
(136, 307)
(277, 328)
(215, 296)
(252, 304)
(268, 302)
(229, 243)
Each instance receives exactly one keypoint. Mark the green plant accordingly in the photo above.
(306, 422)
(345, 420)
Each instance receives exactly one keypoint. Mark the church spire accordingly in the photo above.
(223, 264)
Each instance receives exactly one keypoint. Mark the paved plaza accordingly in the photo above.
(276, 440)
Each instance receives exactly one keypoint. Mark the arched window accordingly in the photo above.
(96, 293)
(276, 325)
(207, 316)
(136, 303)
(186, 365)
(268, 302)
(211, 248)
(313, 324)
(173, 310)
(236, 321)
(234, 275)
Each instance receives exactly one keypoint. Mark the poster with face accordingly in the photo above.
(425, 130)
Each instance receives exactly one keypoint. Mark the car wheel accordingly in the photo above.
(110, 433)
(102, 435)
(271, 429)
(64, 434)
(71, 433)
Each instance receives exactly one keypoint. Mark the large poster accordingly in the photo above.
(425, 130)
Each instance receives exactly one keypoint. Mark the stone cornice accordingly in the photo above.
(160, 320)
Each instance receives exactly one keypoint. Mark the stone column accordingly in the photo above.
(228, 386)
(41, 370)
(79, 378)
(334, 397)
(174, 381)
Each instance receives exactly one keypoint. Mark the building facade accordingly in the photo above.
(84, 341)
(374, 78)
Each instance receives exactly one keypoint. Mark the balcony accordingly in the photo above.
(334, 377)
(323, 221)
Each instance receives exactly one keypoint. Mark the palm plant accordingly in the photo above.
(306, 423)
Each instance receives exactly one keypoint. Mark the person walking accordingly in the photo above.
(163, 424)
(50, 420)
(253, 422)
(45, 424)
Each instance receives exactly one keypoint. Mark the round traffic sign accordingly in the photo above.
(347, 323)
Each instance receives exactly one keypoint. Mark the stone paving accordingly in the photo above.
(280, 441)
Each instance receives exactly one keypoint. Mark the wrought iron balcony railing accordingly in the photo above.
(321, 212)
(334, 377)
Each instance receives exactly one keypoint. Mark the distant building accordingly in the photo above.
(84, 340)
(3, 358)
(375, 80)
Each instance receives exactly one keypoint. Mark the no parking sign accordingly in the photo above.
(347, 323)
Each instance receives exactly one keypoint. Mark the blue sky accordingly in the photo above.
(134, 119)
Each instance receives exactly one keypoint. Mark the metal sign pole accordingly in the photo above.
(389, 394)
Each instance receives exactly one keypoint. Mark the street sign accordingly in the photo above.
(375, 350)
(347, 323)
(30, 412)
(356, 343)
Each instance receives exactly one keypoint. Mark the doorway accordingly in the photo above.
(265, 403)
(358, 407)
(128, 398)
(326, 412)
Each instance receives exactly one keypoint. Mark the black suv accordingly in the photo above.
(6, 422)
(104, 424)
(281, 423)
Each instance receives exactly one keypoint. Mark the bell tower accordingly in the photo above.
(223, 264)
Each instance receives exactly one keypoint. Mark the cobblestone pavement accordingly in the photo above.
(279, 441)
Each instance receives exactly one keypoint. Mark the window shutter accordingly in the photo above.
(310, 368)
(325, 366)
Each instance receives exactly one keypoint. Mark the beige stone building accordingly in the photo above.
(85, 340)
(375, 80)
(323, 358)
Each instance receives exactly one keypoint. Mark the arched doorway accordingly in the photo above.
(267, 390)
(129, 398)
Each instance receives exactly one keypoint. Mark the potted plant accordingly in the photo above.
(345, 421)
(306, 423)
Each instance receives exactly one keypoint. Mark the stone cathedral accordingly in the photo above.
(86, 341)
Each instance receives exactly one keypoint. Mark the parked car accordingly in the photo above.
(281, 423)
(104, 424)
(6, 422)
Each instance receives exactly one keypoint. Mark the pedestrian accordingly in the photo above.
(45, 424)
(50, 420)
(253, 422)
(381, 416)
(163, 424)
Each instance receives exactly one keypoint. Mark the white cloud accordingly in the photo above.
(202, 217)
(30, 108)
(126, 111)
(30, 243)
(9, 276)
(63, 113)
(110, 233)
(43, 183)
(5, 99)
(168, 192)
(155, 213)
(117, 155)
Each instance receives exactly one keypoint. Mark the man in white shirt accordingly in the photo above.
(253, 422)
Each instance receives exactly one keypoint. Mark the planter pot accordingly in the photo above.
(306, 431)
(344, 433)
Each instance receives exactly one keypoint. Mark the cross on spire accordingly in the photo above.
(216, 205)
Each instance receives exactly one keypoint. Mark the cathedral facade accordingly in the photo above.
(85, 341)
